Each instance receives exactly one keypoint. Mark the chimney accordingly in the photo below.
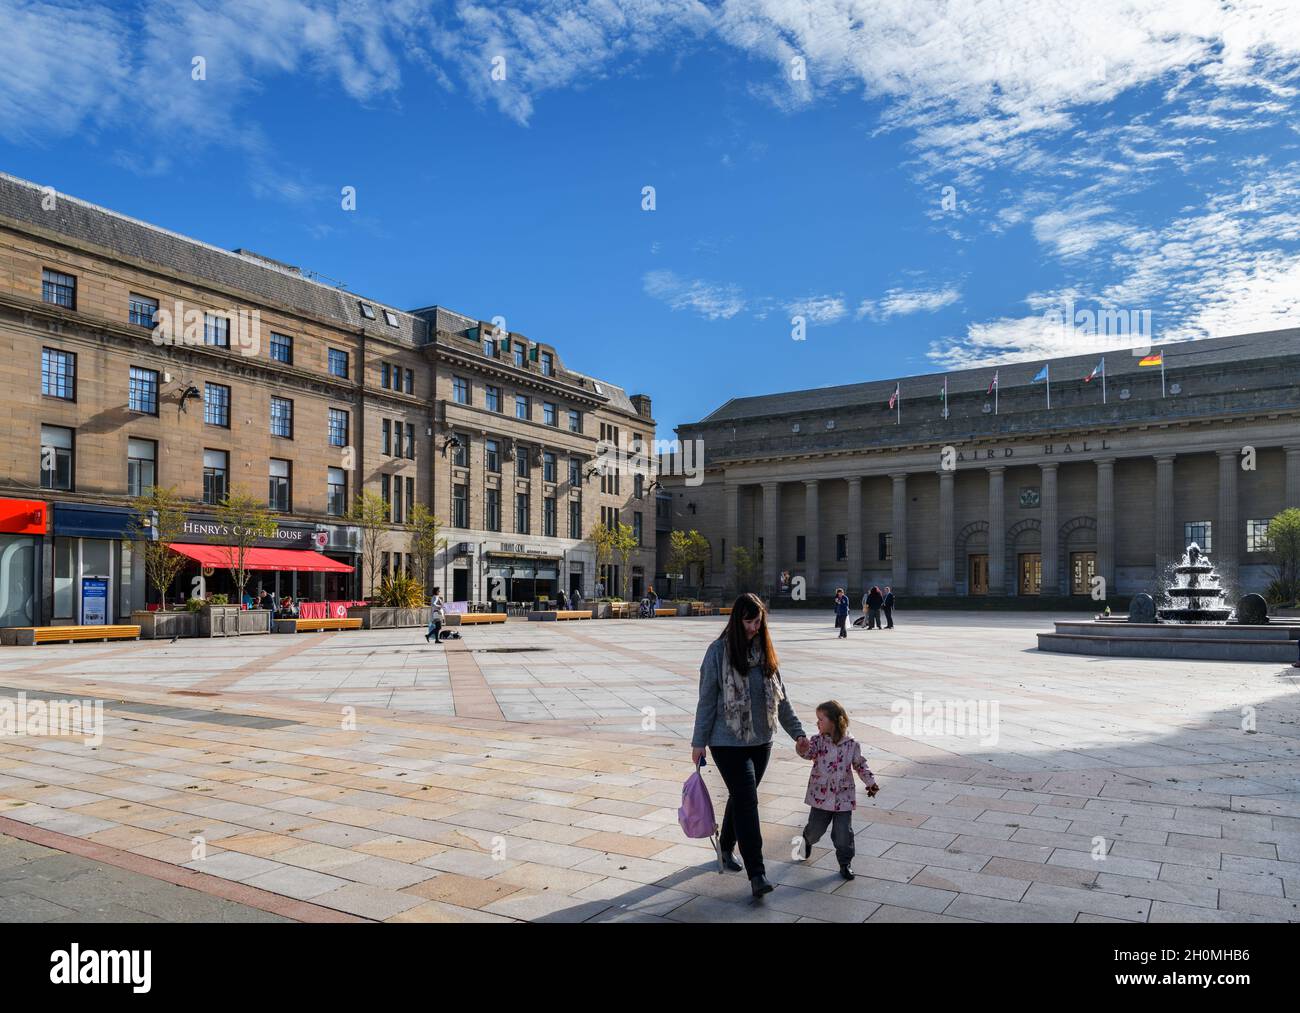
(641, 402)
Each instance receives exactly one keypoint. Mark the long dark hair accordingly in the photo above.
(747, 607)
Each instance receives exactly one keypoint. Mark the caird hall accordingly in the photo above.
(1027, 478)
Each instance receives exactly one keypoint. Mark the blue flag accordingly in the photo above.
(1042, 375)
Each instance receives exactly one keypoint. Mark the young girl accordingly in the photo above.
(831, 792)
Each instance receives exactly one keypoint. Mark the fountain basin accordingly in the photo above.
(1277, 642)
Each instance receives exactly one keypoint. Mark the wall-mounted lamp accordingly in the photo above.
(451, 442)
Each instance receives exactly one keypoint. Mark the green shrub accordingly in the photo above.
(194, 604)
(219, 599)
(401, 592)
(1279, 592)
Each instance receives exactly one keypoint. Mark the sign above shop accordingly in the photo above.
(199, 528)
(22, 516)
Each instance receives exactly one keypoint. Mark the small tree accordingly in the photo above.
(624, 543)
(749, 569)
(1284, 548)
(247, 519)
(426, 541)
(370, 514)
(687, 549)
(158, 520)
(602, 537)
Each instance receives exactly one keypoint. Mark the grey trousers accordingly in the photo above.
(841, 825)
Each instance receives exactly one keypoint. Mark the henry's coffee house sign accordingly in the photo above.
(1054, 449)
(199, 528)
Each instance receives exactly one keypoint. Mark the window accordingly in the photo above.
(841, 547)
(367, 310)
(282, 348)
(386, 427)
(800, 548)
(460, 506)
(141, 462)
(492, 456)
(338, 362)
(460, 455)
(385, 376)
(548, 466)
(521, 354)
(142, 395)
(216, 330)
(521, 462)
(548, 413)
(886, 546)
(384, 565)
(548, 516)
(548, 364)
(575, 518)
(575, 472)
(410, 440)
(636, 527)
(59, 374)
(386, 492)
(460, 390)
(216, 404)
(492, 509)
(638, 485)
(215, 472)
(492, 398)
(336, 492)
(1198, 532)
(410, 381)
(56, 458)
(282, 417)
(489, 347)
(141, 310)
(338, 427)
(1257, 536)
(59, 289)
(521, 513)
(575, 421)
(279, 499)
(410, 498)
(521, 407)
(397, 499)
(390, 318)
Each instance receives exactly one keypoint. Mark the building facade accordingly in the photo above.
(970, 486)
(135, 357)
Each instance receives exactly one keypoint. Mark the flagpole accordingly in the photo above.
(945, 397)
(1048, 367)
(1103, 379)
(1162, 373)
(898, 403)
(995, 393)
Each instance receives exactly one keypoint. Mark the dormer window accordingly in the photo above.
(390, 318)
(367, 310)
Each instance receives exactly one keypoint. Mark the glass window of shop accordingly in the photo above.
(17, 580)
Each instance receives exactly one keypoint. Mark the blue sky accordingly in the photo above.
(921, 183)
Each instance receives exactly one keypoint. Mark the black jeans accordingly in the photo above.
(841, 832)
(742, 769)
(873, 617)
(889, 616)
(839, 625)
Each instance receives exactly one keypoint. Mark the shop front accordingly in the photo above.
(518, 575)
(95, 577)
(22, 537)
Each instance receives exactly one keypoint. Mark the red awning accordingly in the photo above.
(263, 559)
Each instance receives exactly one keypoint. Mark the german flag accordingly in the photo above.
(1154, 359)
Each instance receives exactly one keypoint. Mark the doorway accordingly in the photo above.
(978, 573)
(460, 584)
(1083, 567)
(1031, 573)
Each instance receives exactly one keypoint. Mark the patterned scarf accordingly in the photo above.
(737, 709)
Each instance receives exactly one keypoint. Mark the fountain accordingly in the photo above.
(1198, 594)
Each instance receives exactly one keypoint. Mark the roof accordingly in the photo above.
(226, 270)
(1119, 363)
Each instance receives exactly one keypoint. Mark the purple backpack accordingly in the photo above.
(696, 812)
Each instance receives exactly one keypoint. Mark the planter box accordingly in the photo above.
(601, 610)
(166, 625)
(377, 617)
(683, 608)
(233, 621)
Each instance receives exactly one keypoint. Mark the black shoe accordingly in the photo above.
(807, 849)
(760, 886)
(846, 870)
(730, 864)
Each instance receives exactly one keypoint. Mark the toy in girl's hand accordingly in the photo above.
(872, 789)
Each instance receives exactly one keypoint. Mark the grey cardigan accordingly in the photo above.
(711, 728)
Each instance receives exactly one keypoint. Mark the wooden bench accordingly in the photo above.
(725, 611)
(30, 636)
(701, 608)
(553, 615)
(315, 625)
(476, 618)
(622, 609)
(665, 612)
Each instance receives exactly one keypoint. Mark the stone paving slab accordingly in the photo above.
(375, 776)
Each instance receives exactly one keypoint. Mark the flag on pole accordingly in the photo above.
(943, 396)
(896, 400)
(1156, 359)
(1098, 370)
(993, 389)
(1045, 375)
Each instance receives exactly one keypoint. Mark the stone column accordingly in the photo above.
(997, 533)
(853, 585)
(899, 533)
(1226, 535)
(1167, 550)
(811, 536)
(730, 530)
(1106, 523)
(1049, 528)
(947, 533)
(771, 533)
(1292, 477)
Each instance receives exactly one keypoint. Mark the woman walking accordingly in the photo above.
(874, 600)
(742, 698)
(841, 612)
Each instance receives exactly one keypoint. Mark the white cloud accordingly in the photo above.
(900, 302)
(819, 309)
(709, 299)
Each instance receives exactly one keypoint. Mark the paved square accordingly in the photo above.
(533, 771)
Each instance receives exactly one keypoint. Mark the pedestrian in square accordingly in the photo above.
(436, 610)
(832, 795)
(841, 612)
(874, 601)
(888, 605)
